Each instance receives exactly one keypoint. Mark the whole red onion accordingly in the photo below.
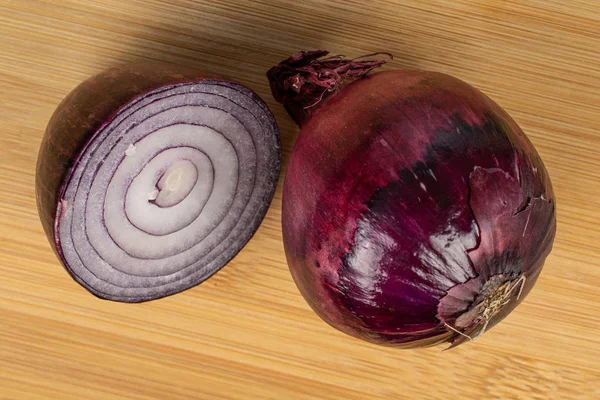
(415, 210)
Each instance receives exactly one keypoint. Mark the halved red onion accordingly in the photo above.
(152, 177)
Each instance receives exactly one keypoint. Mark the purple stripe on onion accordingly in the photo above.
(158, 177)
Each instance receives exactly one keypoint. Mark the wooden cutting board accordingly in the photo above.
(247, 333)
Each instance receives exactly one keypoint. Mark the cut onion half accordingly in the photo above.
(151, 177)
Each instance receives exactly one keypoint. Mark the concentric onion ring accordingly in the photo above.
(168, 190)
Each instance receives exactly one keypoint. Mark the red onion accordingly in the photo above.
(151, 177)
(415, 210)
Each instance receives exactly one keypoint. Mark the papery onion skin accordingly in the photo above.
(88, 109)
(415, 211)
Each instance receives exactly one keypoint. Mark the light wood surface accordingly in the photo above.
(247, 333)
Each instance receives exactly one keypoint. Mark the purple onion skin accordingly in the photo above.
(411, 201)
(89, 108)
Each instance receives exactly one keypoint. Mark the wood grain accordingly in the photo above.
(247, 333)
